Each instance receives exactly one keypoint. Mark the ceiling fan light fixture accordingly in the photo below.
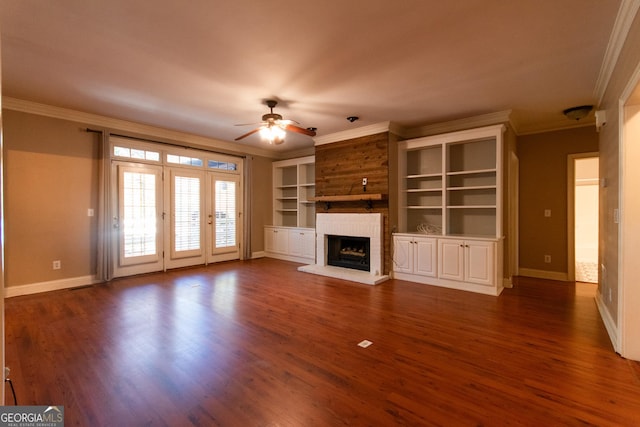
(274, 128)
(274, 134)
(578, 113)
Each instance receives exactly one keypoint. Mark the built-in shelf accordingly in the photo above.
(294, 184)
(477, 187)
(450, 210)
(452, 182)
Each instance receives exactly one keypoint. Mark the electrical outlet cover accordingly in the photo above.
(364, 343)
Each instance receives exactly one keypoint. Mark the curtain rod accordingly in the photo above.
(166, 143)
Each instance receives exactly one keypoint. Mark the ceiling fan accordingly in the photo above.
(273, 127)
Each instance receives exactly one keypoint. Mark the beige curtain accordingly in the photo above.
(103, 264)
(246, 224)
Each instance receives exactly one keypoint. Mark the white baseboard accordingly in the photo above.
(54, 285)
(259, 254)
(609, 323)
(544, 274)
(298, 259)
(451, 284)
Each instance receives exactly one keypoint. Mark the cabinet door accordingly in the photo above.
(276, 240)
(302, 243)
(281, 240)
(402, 254)
(425, 257)
(269, 239)
(480, 261)
(451, 259)
(308, 244)
(294, 238)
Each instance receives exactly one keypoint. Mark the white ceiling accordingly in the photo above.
(202, 66)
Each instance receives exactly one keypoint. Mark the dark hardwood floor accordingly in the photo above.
(257, 343)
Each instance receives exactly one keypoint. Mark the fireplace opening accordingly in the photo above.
(348, 252)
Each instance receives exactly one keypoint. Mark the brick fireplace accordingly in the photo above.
(358, 225)
(340, 166)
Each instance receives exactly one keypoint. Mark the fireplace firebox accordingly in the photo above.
(349, 252)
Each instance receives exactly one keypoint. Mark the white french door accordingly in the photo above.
(186, 242)
(223, 219)
(172, 209)
(137, 221)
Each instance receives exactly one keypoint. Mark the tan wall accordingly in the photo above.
(628, 60)
(2, 239)
(509, 208)
(261, 200)
(51, 173)
(51, 179)
(543, 185)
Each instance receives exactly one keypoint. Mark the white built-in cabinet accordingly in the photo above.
(450, 193)
(292, 236)
(291, 244)
(470, 261)
(415, 255)
(302, 243)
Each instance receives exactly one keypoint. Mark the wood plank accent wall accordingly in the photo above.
(340, 167)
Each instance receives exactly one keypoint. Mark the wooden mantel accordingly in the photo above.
(368, 198)
(349, 197)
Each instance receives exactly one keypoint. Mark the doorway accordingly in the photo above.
(172, 208)
(586, 186)
(583, 186)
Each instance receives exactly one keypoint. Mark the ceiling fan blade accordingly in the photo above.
(250, 124)
(298, 129)
(247, 134)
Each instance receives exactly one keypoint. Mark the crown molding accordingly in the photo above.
(354, 133)
(558, 126)
(461, 124)
(626, 14)
(138, 129)
(110, 123)
(433, 129)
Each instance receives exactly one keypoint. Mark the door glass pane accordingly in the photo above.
(225, 205)
(139, 209)
(187, 213)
